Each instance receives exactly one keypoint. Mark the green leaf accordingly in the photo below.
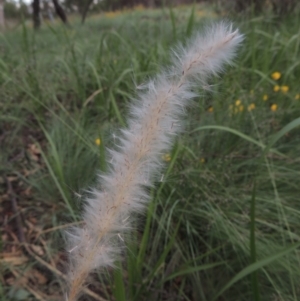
(255, 284)
(238, 133)
(173, 20)
(191, 270)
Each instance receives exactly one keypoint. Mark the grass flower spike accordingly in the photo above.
(154, 121)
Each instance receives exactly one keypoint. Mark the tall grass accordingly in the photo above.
(223, 222)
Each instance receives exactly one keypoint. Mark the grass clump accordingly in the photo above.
(224, 220)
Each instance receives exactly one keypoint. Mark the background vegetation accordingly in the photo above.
(224, 220)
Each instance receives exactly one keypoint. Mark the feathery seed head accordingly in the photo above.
(155, 119)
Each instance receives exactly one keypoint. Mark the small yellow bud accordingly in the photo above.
(237, 102)
(276, 75)
(265, 97)
(98, 141)
(251, 107)
(274, 107)
(241, 108)
(210, 109)
(297, 96)
(285, 89)
(276, 88)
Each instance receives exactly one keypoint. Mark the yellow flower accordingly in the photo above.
(237, 102)
(251, 107)
(276, 88)
(241, 108)
(285, 89)
(276, 75)
(274, 107)
(297, 96)
(98, 141)
(166, 157)
(265, 97)
(202, 160)
(210, 109)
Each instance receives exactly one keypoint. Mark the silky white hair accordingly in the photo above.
(154, 120)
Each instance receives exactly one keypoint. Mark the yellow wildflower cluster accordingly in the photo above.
(276, 76)
(238, 107)
(283, 89)
(276, 88)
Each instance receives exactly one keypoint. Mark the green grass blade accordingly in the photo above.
(145, 238)
(57, 183)
(255, 283)
(116, 108)
(191, 22)
(174, 156)
(103, 163)
(191, 270)
(256, 266)
(289, 127)
(173, 22)
(165, 252)
(159, 262)
(119, 287)
(235, 132)
(121, 77)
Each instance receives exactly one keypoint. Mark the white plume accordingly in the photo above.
(154, 121)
